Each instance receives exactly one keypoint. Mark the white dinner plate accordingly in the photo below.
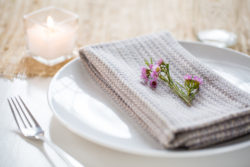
(82, 106)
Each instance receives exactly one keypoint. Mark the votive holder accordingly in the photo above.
(51, 34)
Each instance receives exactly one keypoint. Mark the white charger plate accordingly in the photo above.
(83, 107)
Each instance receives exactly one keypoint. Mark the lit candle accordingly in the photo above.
(51, 38)
(51, 41)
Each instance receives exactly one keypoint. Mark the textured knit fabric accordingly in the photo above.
(219, 112)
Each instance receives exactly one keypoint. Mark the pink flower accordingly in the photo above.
(200, 80)
(156, 68)
(160, 62)
(188, 77)
(144, 74)
(151, 66)
(154, 75)
(143, 70)
(153, 83)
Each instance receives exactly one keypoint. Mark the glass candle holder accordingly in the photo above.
(51, 34)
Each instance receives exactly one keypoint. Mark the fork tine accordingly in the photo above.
(32, 117)
(23, 112)
(17, 111)
(14, 115)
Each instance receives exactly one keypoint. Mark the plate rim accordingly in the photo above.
(153, 153)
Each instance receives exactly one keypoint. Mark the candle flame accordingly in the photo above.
(50, 22)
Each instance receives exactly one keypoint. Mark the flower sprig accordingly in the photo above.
(160, 70)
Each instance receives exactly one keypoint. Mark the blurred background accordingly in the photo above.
(108, 20)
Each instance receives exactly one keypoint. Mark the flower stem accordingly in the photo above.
(160, 70)
(175, 86)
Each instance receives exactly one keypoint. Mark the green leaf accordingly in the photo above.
(146, 62)
(180, 85)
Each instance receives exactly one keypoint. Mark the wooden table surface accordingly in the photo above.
(107, 20)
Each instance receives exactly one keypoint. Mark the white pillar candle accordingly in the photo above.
(51, 40)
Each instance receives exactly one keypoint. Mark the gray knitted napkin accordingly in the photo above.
(219, 112)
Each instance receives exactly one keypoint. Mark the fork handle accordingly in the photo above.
(69, 160)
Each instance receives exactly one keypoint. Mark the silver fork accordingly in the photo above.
(30, 128)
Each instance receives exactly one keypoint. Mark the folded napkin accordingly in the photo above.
(219, 112)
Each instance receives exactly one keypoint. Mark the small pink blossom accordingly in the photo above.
(200, 80)
(143, 70)
(144, 74)
(160, 62)
(188, 77)
(151, 66)
(156, 68)
(153, 83)
(154, 75)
